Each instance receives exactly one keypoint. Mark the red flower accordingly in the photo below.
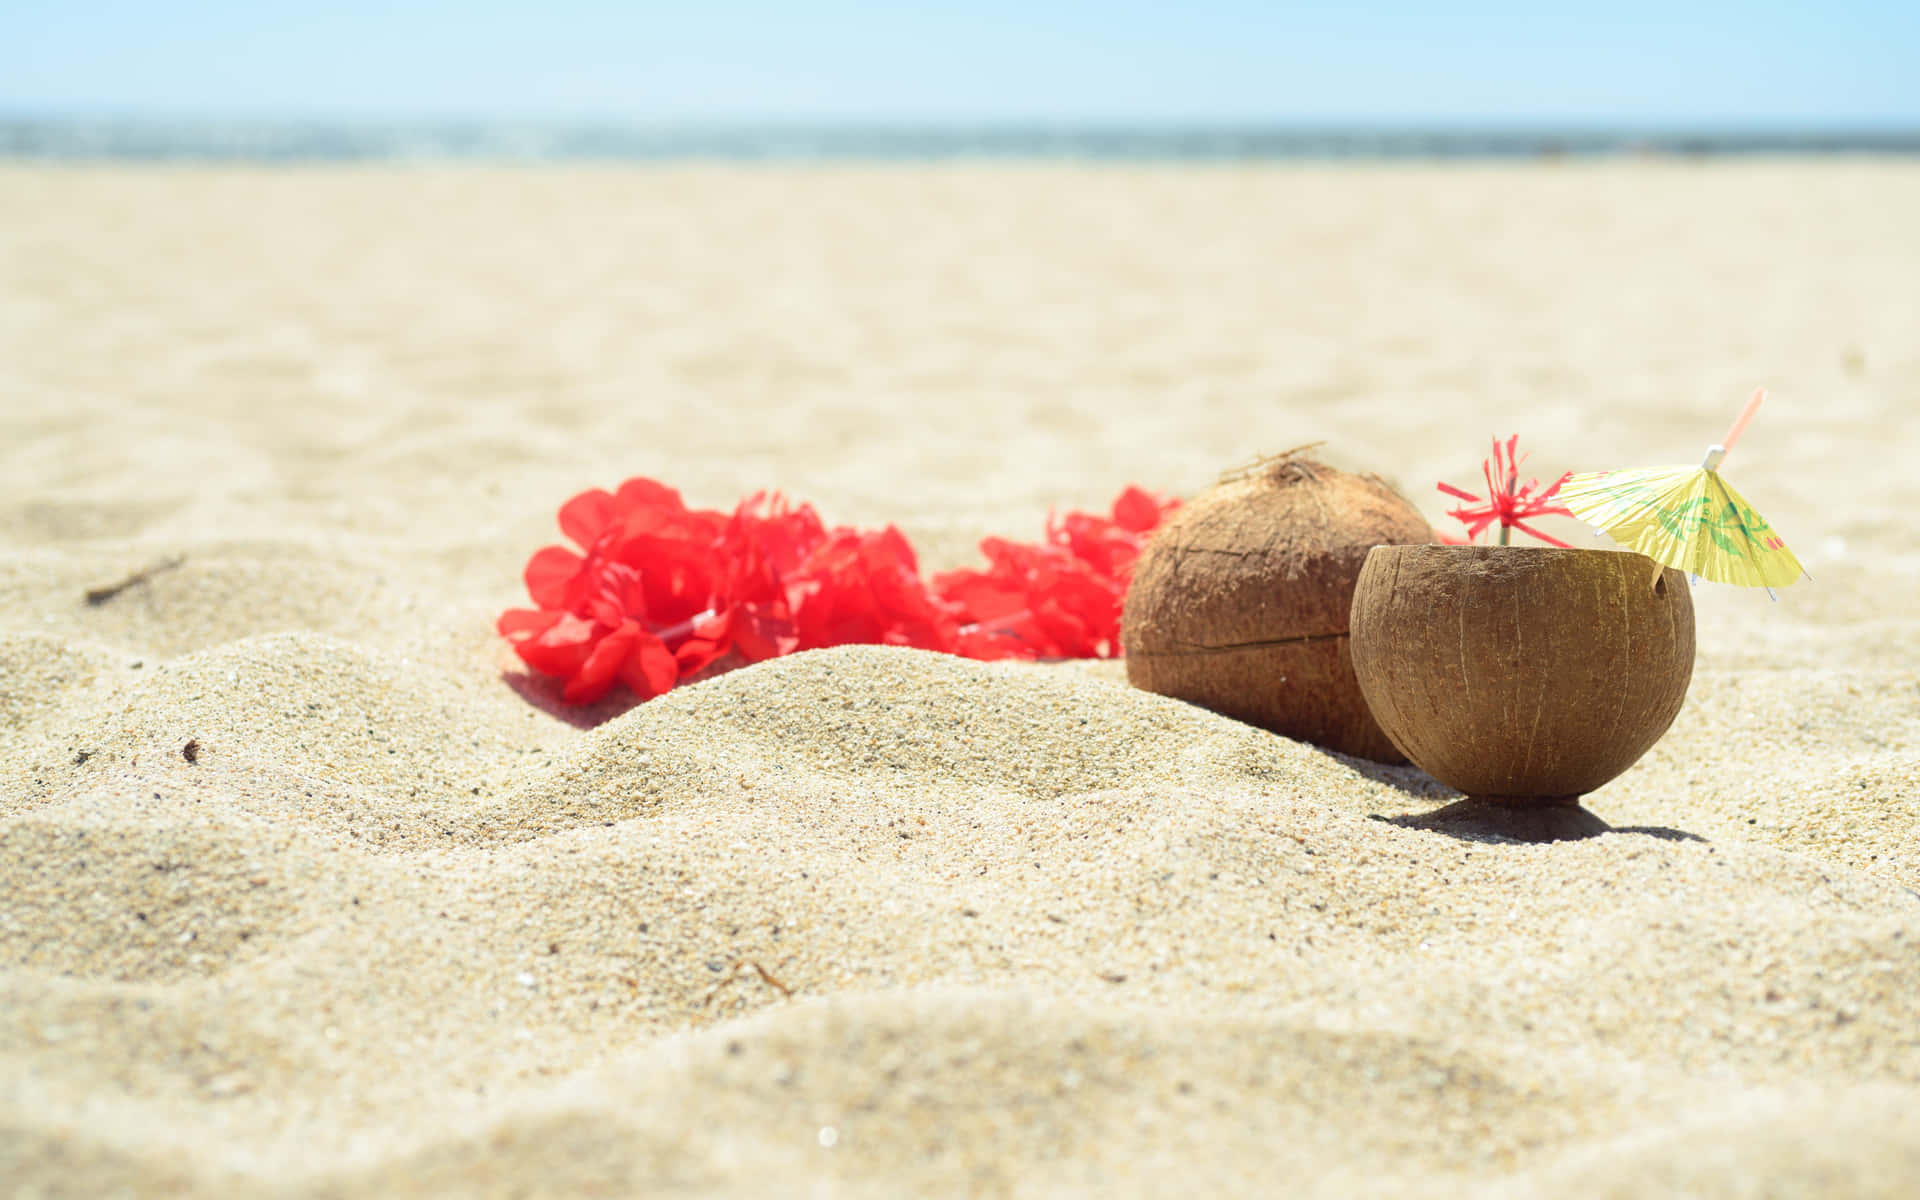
(866, 588)
(659, 592)
(1032, 601)
(649, 565)
(1060, 598)
(764, 543)
(1506, 502)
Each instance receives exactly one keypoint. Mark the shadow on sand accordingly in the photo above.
(1563, 821)
(1405, 778)
(543, 693)
(1483, 820)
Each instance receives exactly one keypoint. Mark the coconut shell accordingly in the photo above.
(1239, 602)
(1522, 673)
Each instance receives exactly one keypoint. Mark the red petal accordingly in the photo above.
(891, 548)
(593, 678)
(606, 612)
(1551, 541)
(629, 654)
(518, 624)
(696, 655)
(763, 541)
(585, 517)
(622, 590)
(650, 669)
(679, 577)
(1080, 614)
(550, 576)
(979, 595)
(562, 648)
(1095, 541)
(988, 647)
(866, 587)
(1473, 519)
(649, 495)
(762, 632)
(1140, 510)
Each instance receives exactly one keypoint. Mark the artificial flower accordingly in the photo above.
(1507, 503)
(1060, 598)
(658, 593)
(865, 588)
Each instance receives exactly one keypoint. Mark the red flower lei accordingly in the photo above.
(660, 593)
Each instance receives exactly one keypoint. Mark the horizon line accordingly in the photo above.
(259, 139)
(1465, 123)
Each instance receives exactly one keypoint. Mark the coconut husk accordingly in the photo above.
(1525, 674)
(1239, 602)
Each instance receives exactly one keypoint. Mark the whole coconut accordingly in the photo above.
(1239, 602)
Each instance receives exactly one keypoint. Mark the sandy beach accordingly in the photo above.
(880, 922)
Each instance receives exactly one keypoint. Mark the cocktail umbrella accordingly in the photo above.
(1688, 517)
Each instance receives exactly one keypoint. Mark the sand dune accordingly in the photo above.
(874, 921)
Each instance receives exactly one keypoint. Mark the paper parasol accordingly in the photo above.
(1688, 517)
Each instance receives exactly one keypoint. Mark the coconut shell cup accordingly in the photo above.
(1239, 603)
(1522, 676)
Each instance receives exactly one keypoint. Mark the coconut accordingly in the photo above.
(1239, 602)
(1523, 674)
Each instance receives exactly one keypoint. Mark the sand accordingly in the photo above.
(880, 922)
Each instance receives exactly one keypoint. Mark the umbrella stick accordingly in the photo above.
(1746, 414)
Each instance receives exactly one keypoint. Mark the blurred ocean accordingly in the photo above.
(69, 139)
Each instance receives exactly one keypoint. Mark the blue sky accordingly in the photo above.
(1632, 61)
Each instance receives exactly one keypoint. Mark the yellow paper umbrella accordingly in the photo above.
(1688, 517)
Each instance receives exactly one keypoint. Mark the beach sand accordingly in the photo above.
(881, 922)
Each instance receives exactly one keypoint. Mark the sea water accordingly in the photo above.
(146, 139)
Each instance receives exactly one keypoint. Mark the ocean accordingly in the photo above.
(63, 139)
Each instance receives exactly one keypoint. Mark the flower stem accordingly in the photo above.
(1506, 531)
(683, 629)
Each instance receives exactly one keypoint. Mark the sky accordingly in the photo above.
(1434, 63)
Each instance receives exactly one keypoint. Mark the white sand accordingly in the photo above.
(876, 922)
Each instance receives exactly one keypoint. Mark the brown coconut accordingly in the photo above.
(1239, 603)
(1522, 674)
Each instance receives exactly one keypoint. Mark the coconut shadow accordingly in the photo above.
(1481, 820)
(1403, 777)
(1476, 820)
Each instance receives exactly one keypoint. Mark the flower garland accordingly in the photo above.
(659, 593)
